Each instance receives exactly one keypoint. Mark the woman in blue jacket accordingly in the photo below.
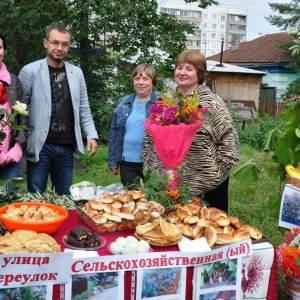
(127, 127)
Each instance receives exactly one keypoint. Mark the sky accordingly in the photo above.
(257, 25)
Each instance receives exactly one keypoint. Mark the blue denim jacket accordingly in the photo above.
(117, 129)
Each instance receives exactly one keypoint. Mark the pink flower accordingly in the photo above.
(279, 253)
(205, 110)
(170, 113)
(156, 108)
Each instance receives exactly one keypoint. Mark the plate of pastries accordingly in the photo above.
(217, 226)
(159, 232)
(119, 212)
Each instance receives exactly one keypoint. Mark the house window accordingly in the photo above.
(214, 17)
(214, 26)
(213, 35)
(222, 26)
(222, 18)
(204, 25)
(204, 17)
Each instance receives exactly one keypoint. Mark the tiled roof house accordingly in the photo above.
(264, 54)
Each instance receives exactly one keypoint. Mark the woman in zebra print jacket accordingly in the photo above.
(215, 147)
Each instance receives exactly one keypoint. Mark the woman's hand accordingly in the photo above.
(8, 161)
(115, 171)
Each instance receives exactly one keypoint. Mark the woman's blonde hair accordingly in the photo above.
(149, 70)
(196, 59)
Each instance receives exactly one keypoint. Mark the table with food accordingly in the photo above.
(127, 223)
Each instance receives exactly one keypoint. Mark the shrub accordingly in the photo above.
(255, 132)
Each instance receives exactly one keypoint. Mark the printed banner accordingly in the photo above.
(153, 260)
(32, 269)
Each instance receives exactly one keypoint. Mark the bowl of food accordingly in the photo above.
(35, 216)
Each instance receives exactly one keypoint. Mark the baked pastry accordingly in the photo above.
(136, 194)
(191, 219)
(24, 235)
(235, 222)
(187, 230)
(198, 232)
(193, 208)
(161, 233)
(27, 241)
(241, 235)
(210, 235)
(183, 212)
(106, 198)
(9, 240)
(138, 214)
(204, 213)
(229, 229)
(244, 227)
(255, 233)
(111, 217)
(207, 223)
(43, 243)
(222, 221)
(224, 238)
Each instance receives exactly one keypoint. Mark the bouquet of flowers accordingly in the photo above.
(173, 124)
(288, 254)
(177, 110)
(18, 109)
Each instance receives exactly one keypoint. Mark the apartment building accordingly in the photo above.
(215, 24)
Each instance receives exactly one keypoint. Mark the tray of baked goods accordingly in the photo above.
(218, 227)
(119, 212)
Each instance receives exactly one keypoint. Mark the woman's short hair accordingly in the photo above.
(196, 59)
(2, 37)
(149, 70)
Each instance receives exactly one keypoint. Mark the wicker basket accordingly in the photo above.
(293, 181)
(288, 288)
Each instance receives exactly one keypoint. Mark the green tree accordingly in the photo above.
(288, 18)
(288, 15)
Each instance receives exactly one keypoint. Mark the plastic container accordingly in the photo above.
(44, 226)
(109, 227)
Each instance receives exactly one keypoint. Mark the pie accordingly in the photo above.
(27, 241)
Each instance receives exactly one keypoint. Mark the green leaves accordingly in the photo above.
(247, 174)
(274, 206)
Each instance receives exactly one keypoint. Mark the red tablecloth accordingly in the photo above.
(74, 220)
